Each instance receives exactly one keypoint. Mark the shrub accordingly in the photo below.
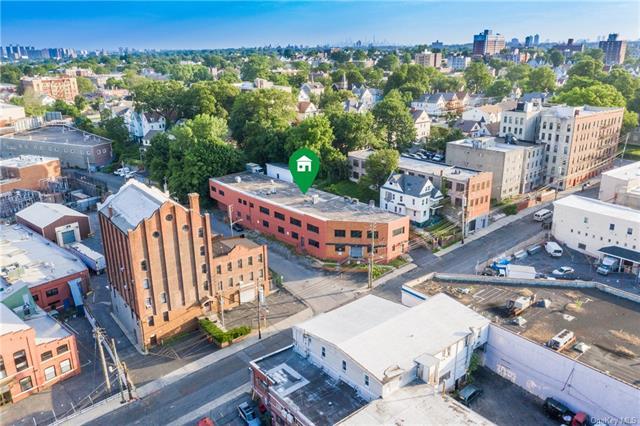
(510, 209)
(223, 336)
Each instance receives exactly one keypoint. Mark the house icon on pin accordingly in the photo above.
(303, 164)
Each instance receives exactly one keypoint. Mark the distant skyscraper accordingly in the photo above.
(614, 49)
(487, 43)
(437, 45)
(536, 39)
(528, 41)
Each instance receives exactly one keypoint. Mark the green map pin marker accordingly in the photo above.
(304, 165)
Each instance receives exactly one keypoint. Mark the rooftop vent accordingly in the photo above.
(238, 179)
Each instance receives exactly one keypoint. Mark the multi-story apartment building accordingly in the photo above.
(597, 228)
(429, 59)
(166, 267)
(614, 49)
(580, 142)
(569, 48)
(522, 121)
(514, 166)
(27, 172)
(621, 186)
(63, 87)
(55, 277)
(73, 147)
(324, 225)
(487, 43)
(458, 62)
(36, 351)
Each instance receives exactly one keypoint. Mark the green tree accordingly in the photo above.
(556, 57)
(256, 66)
(166, 98)
(541, 79)
(332, 99)
(353, 131)
(389, 62)
(80, 102)
(629, 121)
(380, 165)
(587, 67)
(258, 121)
(478, 77)
(85, 85)
(10, 74)
(499, 89)
(394, 121)
(623, 81)
(603, 95)
(518, 73)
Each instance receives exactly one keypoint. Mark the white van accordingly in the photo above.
(542, 215)
(553, 249)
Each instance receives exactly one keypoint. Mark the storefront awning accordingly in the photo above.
(621, 253)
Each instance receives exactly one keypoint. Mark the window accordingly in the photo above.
(229, 266)
(143, 265)
(147, 302)
(265, 223)
(339, 233)
(20, 360)
(295, 221)
(629, 231)
(200, 232)
(398, 231)
(260, 258)
(278, 215)
(340, 248)
(155, 234)
(65, 366)
(219, 269)
(264, 210)
(221, 192)
(239, 263)
(165, 316)
(314, 243)
(313, 228)
(230, 282)
(323, 352)
(366, 380)
(375, 234)
(150, 321)
(62, 349)
(145, 283)
(250, 260)
(46, 355)
(612, 227)
(202, 251)
(52, 292)
(281, 229)
(294, 235)
(582, 246)
(26, 384)
(49, 373)
(344, 365)
(169, 217)
(203, 267)
(356, 234)
(163, 297)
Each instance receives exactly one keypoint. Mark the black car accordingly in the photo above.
(468, 394)
(556, 409)
(237, 227)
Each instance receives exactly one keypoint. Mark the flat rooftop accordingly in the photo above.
(600, 207)
(327, 206)
(28, 258)
(564, 111)
(491, 143)
(26, 161)
(223, 246)
(46, 328)
(319, 397)
(630, 171)
(432, 168)
(412, 405)
(604, 322)
(60, 134)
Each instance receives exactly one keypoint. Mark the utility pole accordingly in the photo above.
(127, 380)
(230, 212)
(463, 224)
(221, 299)
(118, 366)
(260, 297)
(624, 147)
(98, 337)
(372, 230)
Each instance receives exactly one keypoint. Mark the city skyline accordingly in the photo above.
(210, 25)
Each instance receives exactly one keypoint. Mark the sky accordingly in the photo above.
(219, 24)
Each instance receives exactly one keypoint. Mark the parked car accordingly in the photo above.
(438, 157)
(237, 227)
(553, 249)
(557, 410)
(534, 249)
(489, 272)
(564, 270)
(122, 171)
(129, 175)
(542, 215)
(206, 421)
(468, 394)
(248, 414)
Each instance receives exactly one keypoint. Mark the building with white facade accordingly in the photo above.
(458, 63)
(522, 121)
(279, 171)
(422, 124)
(621, 186)
(597, 228)
(140, 124)
(490, 113)
(411, 196)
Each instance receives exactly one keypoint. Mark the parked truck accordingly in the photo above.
(520, 271)
(517, 306)
(94, 260)
(607, 265)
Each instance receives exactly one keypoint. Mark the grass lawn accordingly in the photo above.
(632, 152)
(350, 189)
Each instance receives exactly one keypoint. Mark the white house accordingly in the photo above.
(377, 346)
(437, 104)
(422, 124)
(303, 164)
(488, 113)
(412, 196)
(308, 89)
(306, 109)
(279, 171)
(140, 124)
(596, 228)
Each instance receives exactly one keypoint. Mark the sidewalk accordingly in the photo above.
(113, 403)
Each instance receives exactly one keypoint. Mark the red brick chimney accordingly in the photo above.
(194, 202)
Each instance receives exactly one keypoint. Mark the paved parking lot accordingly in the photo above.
(506, 404)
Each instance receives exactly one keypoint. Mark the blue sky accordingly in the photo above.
(200, 25)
